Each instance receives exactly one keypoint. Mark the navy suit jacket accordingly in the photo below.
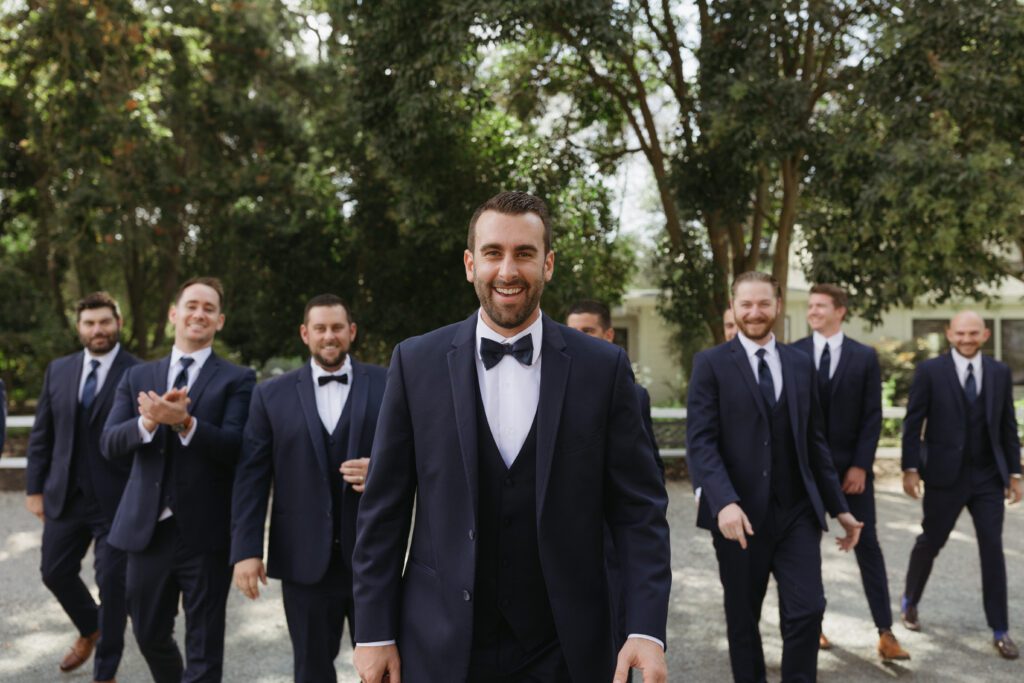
(645, 413)
(284, 446)
(936, 448)
(728, 435)
(594, 466)
(204, 470)
(52, 444)
(855, 405)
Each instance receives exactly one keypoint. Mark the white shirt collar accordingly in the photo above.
(199, 357)
(834, 342)
(752, 347)
(345, 369)
(484, 331)
(106, 359)
(962, 362)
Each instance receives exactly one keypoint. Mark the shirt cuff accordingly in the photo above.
(910, 469)
(186, 437)
(376, 643)
(650, 638)
(1015, 475)
(145, 434)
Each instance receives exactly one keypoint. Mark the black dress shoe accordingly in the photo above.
(910, 621)
(1007, 648)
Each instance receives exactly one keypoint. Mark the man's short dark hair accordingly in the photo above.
(512, 204)
(97, 300)
(211, 282)
(757, 276)
(329, 300)
(594, 308)
(839, 297)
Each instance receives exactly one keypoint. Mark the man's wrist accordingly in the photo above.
(184, 426)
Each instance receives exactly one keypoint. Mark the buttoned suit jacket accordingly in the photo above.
(203, 471)
(284, 448)
(935, 426)
(594, 466)
(855, 405)
(52, 446)
(728, 435)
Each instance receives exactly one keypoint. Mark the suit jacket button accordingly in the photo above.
(766, 443)
(471, 535)
(466, 596)
(764, 473)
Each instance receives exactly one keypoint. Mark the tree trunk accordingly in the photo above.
(790, 171)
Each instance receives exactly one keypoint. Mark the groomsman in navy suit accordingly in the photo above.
(514, 441)
(756, 445)
(181, 417)
(75, 491)
(960, 439)
(850, 391)
(729, 324)
(309, 435)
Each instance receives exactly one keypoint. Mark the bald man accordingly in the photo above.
(960, 438)
(729, 324)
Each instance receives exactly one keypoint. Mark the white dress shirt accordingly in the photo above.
(771, 357)
(835, 347)
(199, 358)
(331, 397)
(106, 360)
(963, 363)
(510, 390)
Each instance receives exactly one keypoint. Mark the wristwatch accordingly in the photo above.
(182, 426)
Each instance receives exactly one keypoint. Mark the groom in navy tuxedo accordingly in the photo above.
(519, 440)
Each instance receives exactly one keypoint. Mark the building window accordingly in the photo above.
(933, 332)
(1012, 333)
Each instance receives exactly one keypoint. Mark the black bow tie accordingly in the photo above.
(492, 352)
(325, 379)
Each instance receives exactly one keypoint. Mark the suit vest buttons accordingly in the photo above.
(466, 596)
(471, 535)
(766, 442)
(508, 481)
(764, 473)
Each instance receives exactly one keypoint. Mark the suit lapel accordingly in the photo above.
(162, 367)
(307, 399)
(554, 373)
(789, 386)
(72, 386)
(988, 389)
(954, 383)
(109, 385)
(462, 373)
(846, 350)
(739, 356)
(206, 373)
(357, 397)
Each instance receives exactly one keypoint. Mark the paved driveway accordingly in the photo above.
(955, 645)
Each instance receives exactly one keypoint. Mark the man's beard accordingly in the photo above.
(100, 344)
(327, 365)
(769, 325)
(504, 317)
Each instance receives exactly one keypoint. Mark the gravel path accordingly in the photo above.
(955, 645)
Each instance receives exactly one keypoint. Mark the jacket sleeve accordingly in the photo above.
(917, 410)
(635, 505)
(223, 442)
(253, 476)
(820, 457)
(120, 437)
(645, 412)
(1011, 440)
(385, 514)
(40, 441)
(870, 415)
(702, 438)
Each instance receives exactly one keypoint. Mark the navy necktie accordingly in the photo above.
(764, 379)
(824, 382)
(326, 379)
(491, 352)
(181, 381)
(89, 388)
(971, 386)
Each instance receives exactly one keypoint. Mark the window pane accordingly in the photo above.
(1013, 348)
(933, 332)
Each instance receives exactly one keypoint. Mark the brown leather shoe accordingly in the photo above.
(823, 642)
(910, 621)
(1007, 648)
(79, 653)
(889, 647)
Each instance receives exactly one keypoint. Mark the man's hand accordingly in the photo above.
(734, 525)
(34, 504)
(377, 663)
(354, 472)
(912, 484)
(1015, 492)
(249, 574)
(644, 655)
(169, 409)
(852, 527)
(853, 482)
